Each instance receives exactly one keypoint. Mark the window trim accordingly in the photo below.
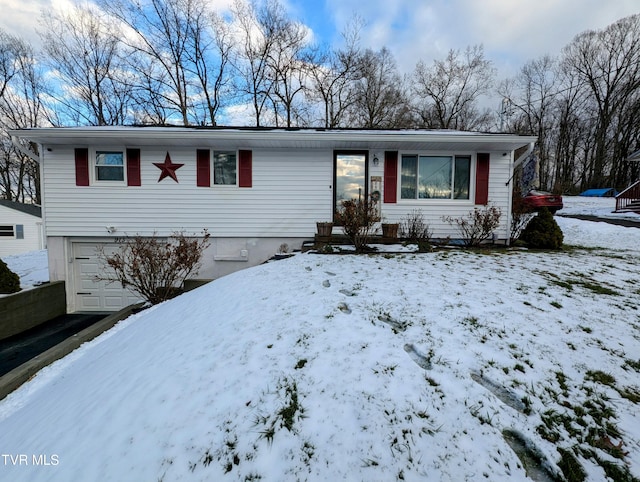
(93, 159)
(452, 155)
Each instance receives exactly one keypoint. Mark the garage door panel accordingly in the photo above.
(89, 303)
(92, 294)
(113, 302)
(112, 288)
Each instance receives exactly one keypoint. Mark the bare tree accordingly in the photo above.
(607, 62)
(179, 52)
(532, 106)
(286, 59)
(333, 74)
(209, 54)
(251, 64)
(447, 93)
(156, 33)
(272, 62)
(379, 96)
(21, 106)
(83, 49)
(573, 140)
(9, 45)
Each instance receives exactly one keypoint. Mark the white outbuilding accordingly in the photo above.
(20, 228)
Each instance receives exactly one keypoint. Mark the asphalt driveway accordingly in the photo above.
(18, 349)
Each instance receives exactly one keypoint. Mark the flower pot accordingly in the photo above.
(324, 229)
(390, 230)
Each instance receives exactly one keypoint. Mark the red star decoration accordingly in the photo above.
(168, 168)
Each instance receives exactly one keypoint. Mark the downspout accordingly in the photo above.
(42, 204)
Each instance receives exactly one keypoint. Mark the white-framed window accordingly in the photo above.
(109, 165)
(429, 176)
(7, 231)
(225, 168)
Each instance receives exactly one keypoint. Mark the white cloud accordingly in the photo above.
(512, 31)
(20, 18)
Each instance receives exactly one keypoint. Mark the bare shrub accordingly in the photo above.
(358, 217)
(155, 267)
(477, 226)
(415, 229)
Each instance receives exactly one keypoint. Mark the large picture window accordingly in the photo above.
(435, 177)
(109, 166)
(224, 168)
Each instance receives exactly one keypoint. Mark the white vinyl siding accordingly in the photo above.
(30, 227)
(291, 191)
(435, 210)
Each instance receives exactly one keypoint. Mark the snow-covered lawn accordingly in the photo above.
(437, 366)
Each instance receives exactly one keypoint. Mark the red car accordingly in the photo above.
(540, 199)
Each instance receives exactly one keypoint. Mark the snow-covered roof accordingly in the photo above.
(248, 137)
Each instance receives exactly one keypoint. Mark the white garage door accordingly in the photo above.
(91, 294)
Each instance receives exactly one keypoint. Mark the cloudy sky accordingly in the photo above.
(512, 31)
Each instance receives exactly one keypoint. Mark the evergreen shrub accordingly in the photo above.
(543, 232)
(9, 281)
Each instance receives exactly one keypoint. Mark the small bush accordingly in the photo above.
(154, 267)
(358, 217)
(415, 230)
(478, 225)
(543, 232)
(9, 281)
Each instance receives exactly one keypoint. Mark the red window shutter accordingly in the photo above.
(245, 168)
(133, 167)
(482, 178)
(82, 166)
(203, 168)
(390, 176)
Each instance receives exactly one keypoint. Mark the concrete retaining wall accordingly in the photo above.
(26, 309)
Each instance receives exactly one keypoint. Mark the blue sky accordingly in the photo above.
(512, 31)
